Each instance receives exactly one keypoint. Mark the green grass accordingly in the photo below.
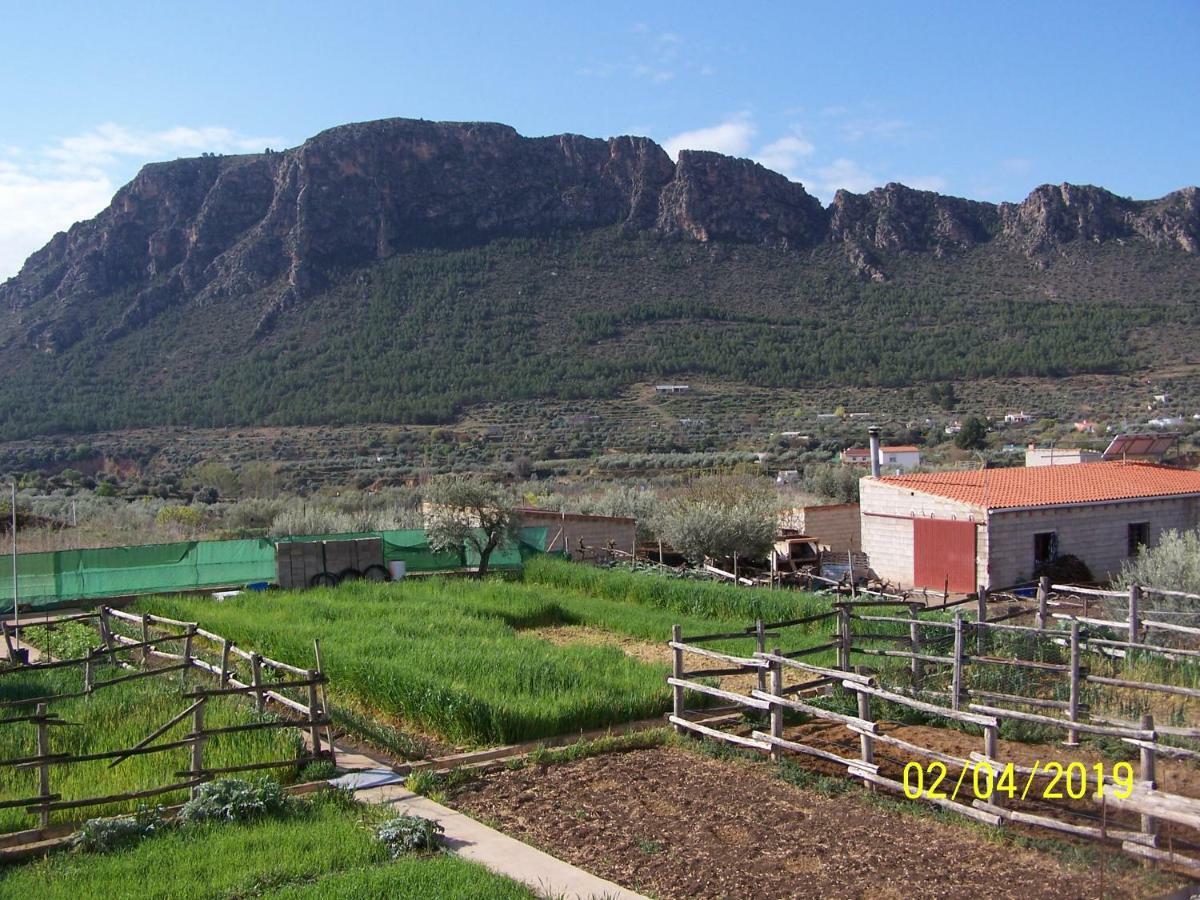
(451, 656)
(703, 599)
(443, 655)
(324, 851)
(113, 718)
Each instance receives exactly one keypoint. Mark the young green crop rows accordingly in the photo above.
(114, 718)
(459, 658)
(293, 857)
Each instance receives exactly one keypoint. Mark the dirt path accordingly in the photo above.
(675, 824)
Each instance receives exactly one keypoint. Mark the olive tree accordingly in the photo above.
(720, 517)
(469, 511)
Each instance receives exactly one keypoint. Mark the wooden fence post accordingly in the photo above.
(760, 644)
(88, 677)
(1135, 601)
(677, 672)
(843, 638)
(1149, 823)
(325, 700)
(187, 655)
(145, 640)
(776, 708)
(956, 677)
(8, 642)
(106, 635)
(226, 646)
(1073, 704)
(43, 750)
(867, 742)
(314, 709)
(914, 638)
(198, 743)
(1043, 594)
(260, 701)
(981, 637)
(991, 734)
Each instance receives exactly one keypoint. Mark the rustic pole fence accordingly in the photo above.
(1073, 707)
(956, 682)
(1135, 600)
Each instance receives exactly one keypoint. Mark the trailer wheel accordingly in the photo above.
(348, 575)
(323, 579)
(375, 573)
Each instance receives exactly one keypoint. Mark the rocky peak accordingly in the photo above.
(276, 226)
(716, 197)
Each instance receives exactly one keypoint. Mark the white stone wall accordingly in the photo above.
(1097, 534)
(887, 531)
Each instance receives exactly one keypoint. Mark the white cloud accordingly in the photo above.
(46, 190)
(731, 137)
(840, 174)
(785, 154)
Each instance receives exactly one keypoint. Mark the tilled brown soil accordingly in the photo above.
(675, 824)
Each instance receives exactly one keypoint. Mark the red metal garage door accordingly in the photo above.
(944, 551)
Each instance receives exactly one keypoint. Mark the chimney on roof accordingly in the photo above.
(873, 431)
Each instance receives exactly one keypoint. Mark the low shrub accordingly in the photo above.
(406, 834)
(106, 834)
(235, 800)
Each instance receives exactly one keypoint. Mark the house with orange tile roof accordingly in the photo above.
(897, 458)
(995, 527)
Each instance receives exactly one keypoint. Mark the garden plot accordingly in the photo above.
(462, 660)
(672, 823)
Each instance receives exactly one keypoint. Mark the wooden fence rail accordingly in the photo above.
(970, 708)
(111, 646)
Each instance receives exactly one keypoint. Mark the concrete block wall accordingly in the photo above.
(1098, 534)
(596, 531)
(836, 526)
(887, 512)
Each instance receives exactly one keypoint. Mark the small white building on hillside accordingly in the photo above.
(901, 458)
(995, 527)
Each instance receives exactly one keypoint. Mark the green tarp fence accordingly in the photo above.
(63, 576)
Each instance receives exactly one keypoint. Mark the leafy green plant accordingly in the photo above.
(235, 800)
(102, 835)
(408, 834)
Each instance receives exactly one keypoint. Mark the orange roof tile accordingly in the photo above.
(1079, 483)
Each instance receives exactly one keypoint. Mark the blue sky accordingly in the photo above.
(985, 100)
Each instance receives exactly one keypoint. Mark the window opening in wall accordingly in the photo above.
(1045, 548)
(1139, 537)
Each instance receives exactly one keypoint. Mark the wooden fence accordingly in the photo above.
(949, 654)
(142, 654)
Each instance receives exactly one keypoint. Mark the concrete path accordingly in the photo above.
(541, 872)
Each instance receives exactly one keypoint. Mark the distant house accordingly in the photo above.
(672, 388)
(1166, 422)
(1162, 399)
(1059, 456)
(1019, 418)
(996, 527)
(954, 427)
(788, 476)
(903, 457)
(1085, 426)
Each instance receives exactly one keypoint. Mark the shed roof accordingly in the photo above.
(1069, 485)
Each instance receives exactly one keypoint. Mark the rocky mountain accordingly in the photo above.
(263, 238)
